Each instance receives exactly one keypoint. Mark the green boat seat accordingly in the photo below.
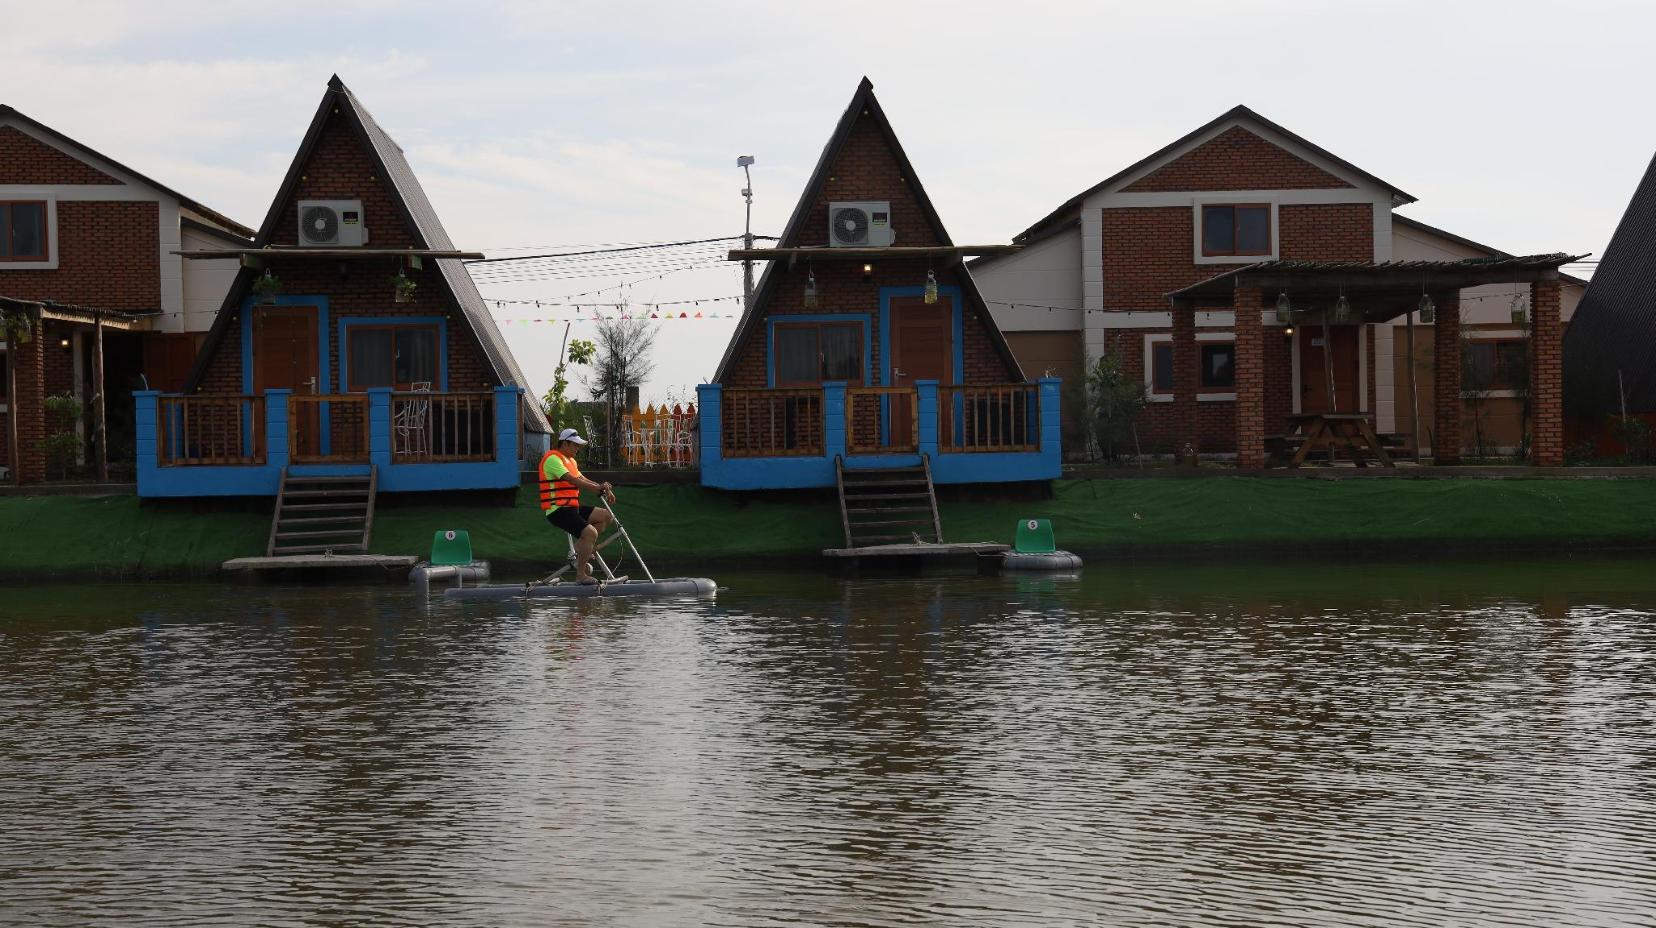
(1034, 537)
(451, 548)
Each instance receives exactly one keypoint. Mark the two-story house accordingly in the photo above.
(1096, 274)
(91, 278)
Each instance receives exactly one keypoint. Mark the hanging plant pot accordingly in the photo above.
(403, 288)
(1428, 310)
(265, 288)
(1284, 309)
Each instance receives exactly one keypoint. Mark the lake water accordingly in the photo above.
(1260, 745)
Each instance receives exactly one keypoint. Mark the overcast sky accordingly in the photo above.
(555, 125)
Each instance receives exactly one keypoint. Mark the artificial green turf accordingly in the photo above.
(70, 536)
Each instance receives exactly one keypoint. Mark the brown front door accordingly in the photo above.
(922, 348)
(1314, 373)
(284, 357)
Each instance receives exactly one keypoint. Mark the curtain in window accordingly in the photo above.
(796, 354)
(842, 353)
(416, 356)
(370, 358)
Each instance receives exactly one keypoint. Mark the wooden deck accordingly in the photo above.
(393, 565)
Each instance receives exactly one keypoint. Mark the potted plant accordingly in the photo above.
(403, 287)
(265, 287)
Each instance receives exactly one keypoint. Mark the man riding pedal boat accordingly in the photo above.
(561, 484)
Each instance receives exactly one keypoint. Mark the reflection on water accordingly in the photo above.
(1464, 744)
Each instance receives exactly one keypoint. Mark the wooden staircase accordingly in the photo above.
(888, 505)
(323, 515)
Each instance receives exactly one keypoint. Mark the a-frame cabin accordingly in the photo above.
(867, 345)
(352, 343)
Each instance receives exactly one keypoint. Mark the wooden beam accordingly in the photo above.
(290, 251)
(894, 252)
(116, 321)
(1393, 280)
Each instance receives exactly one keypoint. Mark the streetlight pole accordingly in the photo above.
(743, 161)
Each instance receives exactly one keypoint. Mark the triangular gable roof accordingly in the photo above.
(417, 212)
(1610, 343)
(1236, 113)
(87, 153)
(768, 282)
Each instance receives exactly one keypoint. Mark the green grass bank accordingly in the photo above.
(72, 537)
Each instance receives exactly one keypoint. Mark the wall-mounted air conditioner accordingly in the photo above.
(860, 225)
(331, 224)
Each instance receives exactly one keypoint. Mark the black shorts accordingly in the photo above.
(572, 519)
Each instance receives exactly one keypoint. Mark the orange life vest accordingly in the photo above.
(556, 494)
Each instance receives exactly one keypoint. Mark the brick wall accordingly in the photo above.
(1237, 159)
(340, 169)
(865, 169)
(24, 160)
(108, 257)
(1546, 362)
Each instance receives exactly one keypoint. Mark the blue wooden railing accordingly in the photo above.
(805, 451)
(238, 446)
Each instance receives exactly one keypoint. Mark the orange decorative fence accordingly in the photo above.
(983, 418)
(782, 422)
(328, 428)
(442, 427)
(882, 420)
(195, 430)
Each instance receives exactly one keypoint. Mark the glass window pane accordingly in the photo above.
(416, 356)
(796, 354)
(1218, 366)
(1218, 231)
(1161, 357)
(28, 230)
(5, 230)
(842, 353)
(370, 361)
(1253, 230)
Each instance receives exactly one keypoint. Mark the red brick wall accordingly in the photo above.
(1148, 251)
(108, 258)
(341, 169)
(24, 160)
(866, 169)
(1236, 159)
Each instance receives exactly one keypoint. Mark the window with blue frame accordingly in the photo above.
(395, 356)
(809, 353)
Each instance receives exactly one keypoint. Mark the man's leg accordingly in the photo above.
(584, 546)
(600, 520)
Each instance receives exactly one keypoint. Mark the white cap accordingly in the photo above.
(571, 435)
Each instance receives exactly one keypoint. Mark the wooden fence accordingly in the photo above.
(772, 423)
(985, 418)
(344, 419)
(442, 427)
(200, 430)
(882, 420)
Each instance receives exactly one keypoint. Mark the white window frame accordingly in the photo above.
(1230, 199)
(10, 194)
(1150, 343)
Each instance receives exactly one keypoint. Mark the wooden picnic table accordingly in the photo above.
(1334, 432)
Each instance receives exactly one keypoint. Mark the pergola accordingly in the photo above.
(1372, 292)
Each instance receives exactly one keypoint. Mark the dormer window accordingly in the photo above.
(23, 231)
(1236, 229)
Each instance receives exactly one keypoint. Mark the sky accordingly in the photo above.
(561, 126)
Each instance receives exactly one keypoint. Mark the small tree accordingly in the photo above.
(1477, 379)
(556, 404)
(622, 361)
(61, 444)
(1114, 401)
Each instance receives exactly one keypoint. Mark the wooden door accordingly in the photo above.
(1314, 374)
(285, 357)
(922, 348)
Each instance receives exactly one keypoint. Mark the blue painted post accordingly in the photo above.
(1052, 452)
(508, 430)
(276, 428)
(833, 419)
(928, 417)
(379, 427)
(147, 439)
(709, 421)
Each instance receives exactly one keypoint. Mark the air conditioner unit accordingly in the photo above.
(331, 224)
(860, 225)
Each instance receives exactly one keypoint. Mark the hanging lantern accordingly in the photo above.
(810, 290)
(1342, 310)
(1428, 309)
(1520, 313)
(1284, 309)
(931, 288)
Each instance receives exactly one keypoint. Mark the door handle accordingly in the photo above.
(897, 374)
(312, 384)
